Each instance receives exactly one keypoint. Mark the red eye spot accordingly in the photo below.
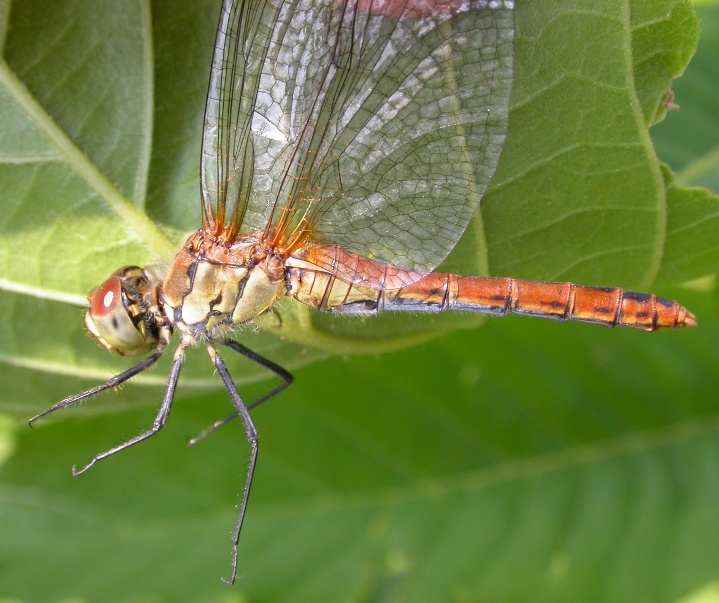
(106, 298)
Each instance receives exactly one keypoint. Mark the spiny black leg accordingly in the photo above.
(283, 374)
(160, 420)
(109, 384)
(252, 438)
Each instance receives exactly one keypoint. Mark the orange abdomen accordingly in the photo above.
(560, 301)
(356, 285)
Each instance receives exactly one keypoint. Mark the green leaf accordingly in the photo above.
(579, 193)
(687, 141)
(519, 461)
(692, 247)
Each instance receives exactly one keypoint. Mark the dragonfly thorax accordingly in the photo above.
(124, 314)
(211, 288)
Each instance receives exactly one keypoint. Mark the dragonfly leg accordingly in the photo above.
(109, 384)
(252, 438)
(283, 374)
(160, 420)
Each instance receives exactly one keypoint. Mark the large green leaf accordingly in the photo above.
(520, 461)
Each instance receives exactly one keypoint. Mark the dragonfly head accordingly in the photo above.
(124, 314)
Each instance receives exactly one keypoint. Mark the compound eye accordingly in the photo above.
(107, 298)
(110, 320)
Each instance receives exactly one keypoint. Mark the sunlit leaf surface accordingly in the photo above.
(519, 461)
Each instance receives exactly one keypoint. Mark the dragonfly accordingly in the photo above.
(346, 146)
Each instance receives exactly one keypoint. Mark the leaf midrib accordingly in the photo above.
(136, 221)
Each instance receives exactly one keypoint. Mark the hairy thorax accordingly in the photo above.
(212, 286)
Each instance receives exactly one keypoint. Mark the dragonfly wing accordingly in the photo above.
(372, 124)
(420, 134)
(227, 163)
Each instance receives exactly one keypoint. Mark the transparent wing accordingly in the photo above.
(372, 124)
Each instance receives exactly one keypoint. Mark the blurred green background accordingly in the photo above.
(507, 460)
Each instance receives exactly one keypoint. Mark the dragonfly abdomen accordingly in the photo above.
(558, 301)
(438, 292)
